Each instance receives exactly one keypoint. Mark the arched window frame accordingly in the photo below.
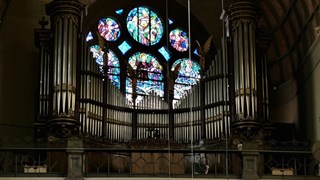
(155, 49)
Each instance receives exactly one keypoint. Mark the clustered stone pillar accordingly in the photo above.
(65, 24)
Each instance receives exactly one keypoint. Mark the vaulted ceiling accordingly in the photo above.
(291, 26)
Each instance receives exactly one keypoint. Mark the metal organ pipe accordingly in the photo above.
(44, 106)
(266, 89)
(244, 58)
(43, 43)
(65, 43)
(118, 123)
(236, 72)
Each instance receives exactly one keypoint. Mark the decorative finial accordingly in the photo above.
(43, 22)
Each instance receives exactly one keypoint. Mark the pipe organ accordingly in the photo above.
(43, 43)
(243, 16)
(91, 95)
(103, 107)
(65, 22)
(75, 91)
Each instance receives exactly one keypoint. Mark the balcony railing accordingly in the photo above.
(99, 162)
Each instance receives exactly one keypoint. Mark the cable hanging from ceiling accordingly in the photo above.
(191, 100)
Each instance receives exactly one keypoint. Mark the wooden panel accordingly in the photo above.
(157, 163)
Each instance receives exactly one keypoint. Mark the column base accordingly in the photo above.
(75, 157)
(316, 150)
(250, 162)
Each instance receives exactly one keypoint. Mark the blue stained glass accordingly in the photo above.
(147, 65)
(170, 21)
(180, 90)
(109, 29)
(144, 26)
(179, 40)
(124, 47)
(115, 80)
(97, 54)
(164, 53)
(89, 37)
(196, 52)
(146, 87)
(112, 64)
(119, 11)
(189, 74)
(149, 74)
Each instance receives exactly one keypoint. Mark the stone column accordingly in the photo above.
(75, 155)
(65, 24)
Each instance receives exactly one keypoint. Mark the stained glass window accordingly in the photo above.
(149, 74)
(189, 74)
(179, 40)
(146, 87)
(124, 47)
(89, 37)
(147, 66)
(164, 53)
(196, 52)
(119, 11)
(145, 31)
(144, 26)
(109, 29)
(112, 65)
(97, 54)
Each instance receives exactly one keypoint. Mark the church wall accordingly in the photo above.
(297, 101)
(18, 78)
(284, 103)
(19, 67)
(311, 73)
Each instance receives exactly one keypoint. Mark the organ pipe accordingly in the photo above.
(263, 43)
(42, 41)
(243, 17)
(99, 118)
(65, 22)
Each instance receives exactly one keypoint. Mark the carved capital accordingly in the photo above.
(62, 7)
(247, 131)
(244, 11)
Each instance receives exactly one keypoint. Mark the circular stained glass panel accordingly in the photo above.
(144, 26)
(109, 29)
(179, 40)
